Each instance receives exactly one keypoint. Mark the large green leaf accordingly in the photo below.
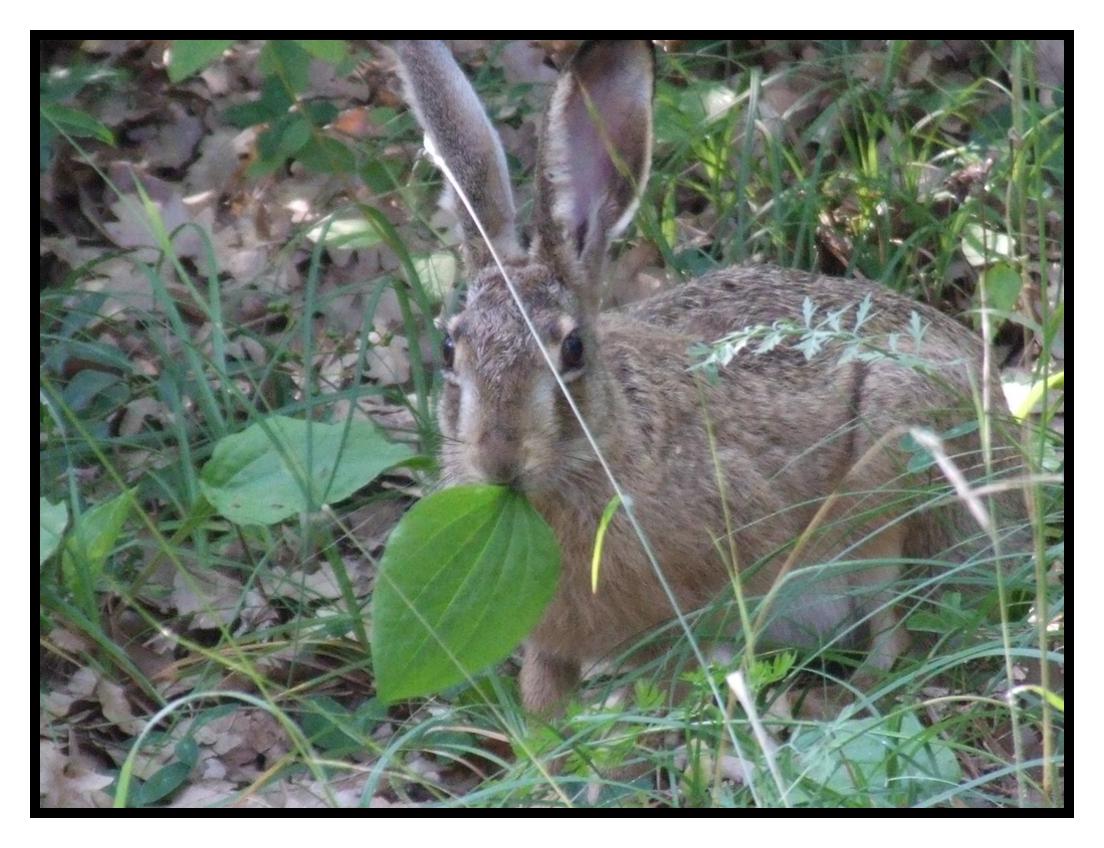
(52, 519)
(260, 476)
(889, 761)
(189, 57)
(466, 576)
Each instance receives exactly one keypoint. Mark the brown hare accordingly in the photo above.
(784, 434)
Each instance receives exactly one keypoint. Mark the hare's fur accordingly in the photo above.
(784, 433)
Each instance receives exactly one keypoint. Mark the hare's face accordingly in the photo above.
(503, 418)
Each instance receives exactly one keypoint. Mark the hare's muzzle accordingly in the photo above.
(496, 456)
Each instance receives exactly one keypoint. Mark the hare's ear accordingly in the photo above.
(458, 131)
(595, 153)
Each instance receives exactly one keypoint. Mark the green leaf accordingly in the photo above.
(273, 104)
(75, 122)
(58, 86)
(246, 114)
(647, 695)
(378, 176)
(47, 135)
(162, 783)
(52, 519)
(259, 476)
(331, 51)
(93, 537)
(296, 135)
(950, 617)
(189, 57)
(187, 751)
(326, 155)
(1002, 287)
(287, 61)
(466, 576)
(438, 272)
(770, 670)
(320, 112)
(285, 138)
(262, 166)
(600, 538)
(893, 761)
(87, 385)
(348, 233)
(332, 728)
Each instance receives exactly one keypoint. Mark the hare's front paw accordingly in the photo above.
(547, 681)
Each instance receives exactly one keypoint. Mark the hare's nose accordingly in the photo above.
(498, 454)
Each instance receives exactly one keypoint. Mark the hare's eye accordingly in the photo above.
(571, 351)
(448, 350)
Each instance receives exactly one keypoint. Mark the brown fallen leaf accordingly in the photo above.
(116, 707)
(66, 781)
(208, 595)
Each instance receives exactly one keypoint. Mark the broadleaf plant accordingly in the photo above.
(89, 545)
(260, 475)
(466, 576)
(52, 519)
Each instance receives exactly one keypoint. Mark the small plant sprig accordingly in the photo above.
(811, 336)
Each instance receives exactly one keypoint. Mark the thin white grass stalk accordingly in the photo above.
(934, 445)
(769, 747)
(626, 499)
(452, 657)
(1020, 483)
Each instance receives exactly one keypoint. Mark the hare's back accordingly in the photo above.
(747, 296)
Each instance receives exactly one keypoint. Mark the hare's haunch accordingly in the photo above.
(786, 433)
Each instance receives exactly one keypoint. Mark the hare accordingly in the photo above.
(781, 434)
